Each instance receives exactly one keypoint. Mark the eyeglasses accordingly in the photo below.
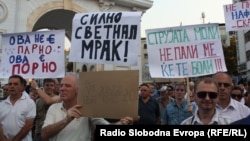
(211, 95)
(226, 85)
(236, 95)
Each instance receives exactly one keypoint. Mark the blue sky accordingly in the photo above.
(169, 13)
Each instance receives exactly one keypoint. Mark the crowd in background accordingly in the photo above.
(209, 100)
(33, 112)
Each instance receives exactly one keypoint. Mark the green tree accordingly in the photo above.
(230, 56)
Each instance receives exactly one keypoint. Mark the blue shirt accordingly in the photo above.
(173, 115)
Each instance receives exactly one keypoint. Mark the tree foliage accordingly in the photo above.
(230, 55)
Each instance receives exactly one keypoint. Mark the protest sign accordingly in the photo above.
(33, 54)
(185, 51)
(237, 16)
(106, 38)
(109, 94)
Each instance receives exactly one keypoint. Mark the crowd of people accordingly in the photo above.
(211, 100)
(41, 114)
(50, 112)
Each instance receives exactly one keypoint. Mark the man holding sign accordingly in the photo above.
(64, 120)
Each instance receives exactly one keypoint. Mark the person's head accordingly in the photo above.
(16, 84)
(206, 93)
(225, 85)
(191, 85)
(247, 99)
(191, 96)
(163, 91)
(57, 86)
(245, 85)
(69, 87)
(171, 91)
(245, 96)
(49, 86)
(5, 90)
(152, 88)
(180, 91)
(33, 94)
(145, 90)
(237, 93)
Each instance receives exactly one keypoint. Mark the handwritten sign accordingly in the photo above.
(185, 51)
(33, 54)
(106, 38)
(109, 94)
(237, 16)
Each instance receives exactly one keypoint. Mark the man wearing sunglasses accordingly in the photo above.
(226, 105)
(237, 93)
(206, 97)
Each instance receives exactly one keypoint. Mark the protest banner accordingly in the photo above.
(237, 16)
(109, 94)
(106, 38)
(33, 54)
(185, 51)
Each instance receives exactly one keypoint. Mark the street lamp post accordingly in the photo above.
(203, 17)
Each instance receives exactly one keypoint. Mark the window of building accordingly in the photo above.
(232, 33)
(147, 76)
(223, 42)
(145, 46)
(247, 36)
(145, 56)
(248, 55)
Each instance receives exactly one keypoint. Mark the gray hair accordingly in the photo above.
(74, 75)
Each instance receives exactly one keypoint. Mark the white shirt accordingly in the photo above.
(235, 110)
(217, 119)
(13, 117)
(76, 130)
(26, 94)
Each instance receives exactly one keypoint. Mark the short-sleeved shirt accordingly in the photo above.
(77, 130)
(41, 108)
(162, 107)
(174, 115)
(13, 117)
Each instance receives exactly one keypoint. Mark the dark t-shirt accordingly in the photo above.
(149, 112)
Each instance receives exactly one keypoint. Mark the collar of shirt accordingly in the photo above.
(196, 120)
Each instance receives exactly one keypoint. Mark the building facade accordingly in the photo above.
(33, 15)
(243, 50)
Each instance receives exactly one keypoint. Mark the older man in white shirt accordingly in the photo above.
(226, 105)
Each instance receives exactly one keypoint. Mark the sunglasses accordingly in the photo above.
(236, 95)
(226, 85)
(211, 95)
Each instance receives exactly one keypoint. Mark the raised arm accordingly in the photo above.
(46, 98)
